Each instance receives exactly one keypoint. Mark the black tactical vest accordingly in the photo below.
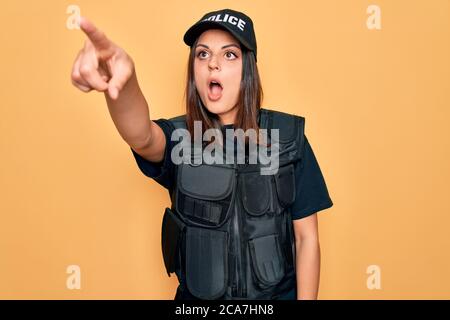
(229, 232)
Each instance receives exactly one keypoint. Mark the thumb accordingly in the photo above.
(113, 91)
(119, 78)
(115, 85)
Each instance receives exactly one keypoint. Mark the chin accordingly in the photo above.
(217, 107)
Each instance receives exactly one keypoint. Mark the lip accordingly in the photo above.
(216, 80)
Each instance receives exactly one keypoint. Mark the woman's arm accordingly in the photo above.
(103, 66)
(307, 257)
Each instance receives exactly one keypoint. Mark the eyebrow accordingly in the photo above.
(228, 45)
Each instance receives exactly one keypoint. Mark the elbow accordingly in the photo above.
(141, 143)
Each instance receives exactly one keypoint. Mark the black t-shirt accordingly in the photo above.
(311, 190)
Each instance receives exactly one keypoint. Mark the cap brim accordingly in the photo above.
(197, 29)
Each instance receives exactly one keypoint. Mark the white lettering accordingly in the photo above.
(73, 21)
(74, 280)
(374, 279)
(374, 20)
(230, 19)
(233, 20)
(213, 153)
(241, 24)
(192, 310)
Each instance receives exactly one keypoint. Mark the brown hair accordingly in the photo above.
(249, 100)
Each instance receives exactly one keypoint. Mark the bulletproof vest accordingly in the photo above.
(229, 234)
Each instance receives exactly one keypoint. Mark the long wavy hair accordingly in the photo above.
(249, 100)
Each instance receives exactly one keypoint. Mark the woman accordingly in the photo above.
(233, 232)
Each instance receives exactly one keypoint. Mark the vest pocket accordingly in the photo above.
(285, 185)
(204, 193)
(172, 228)
(256, 193)
(267, 260)
(206, 262)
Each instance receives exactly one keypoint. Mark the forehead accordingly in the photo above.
(212, 37)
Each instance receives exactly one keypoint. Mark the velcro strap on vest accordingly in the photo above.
(206, 211)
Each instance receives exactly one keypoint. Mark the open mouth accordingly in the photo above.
(215, 90)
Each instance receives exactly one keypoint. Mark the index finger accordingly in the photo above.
(98, 38)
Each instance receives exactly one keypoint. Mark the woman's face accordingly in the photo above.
(218, 58)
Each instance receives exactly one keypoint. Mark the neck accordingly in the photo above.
(228, 117)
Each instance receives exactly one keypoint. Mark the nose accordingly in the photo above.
(213, 63)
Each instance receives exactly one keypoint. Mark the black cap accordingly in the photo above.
(237, 23)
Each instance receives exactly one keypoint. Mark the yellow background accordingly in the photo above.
(376, 104)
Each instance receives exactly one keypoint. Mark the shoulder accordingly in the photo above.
(282, 116)
(178, 121)
(291, 126)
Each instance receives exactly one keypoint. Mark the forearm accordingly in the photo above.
(130, 114)
(307, 268)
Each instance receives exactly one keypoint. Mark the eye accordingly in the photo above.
(235, 55)
(199, 54)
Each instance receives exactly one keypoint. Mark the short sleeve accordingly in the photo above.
(162, 172)
(311, 190)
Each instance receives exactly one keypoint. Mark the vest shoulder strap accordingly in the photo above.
(291, 128)
(179, 122)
